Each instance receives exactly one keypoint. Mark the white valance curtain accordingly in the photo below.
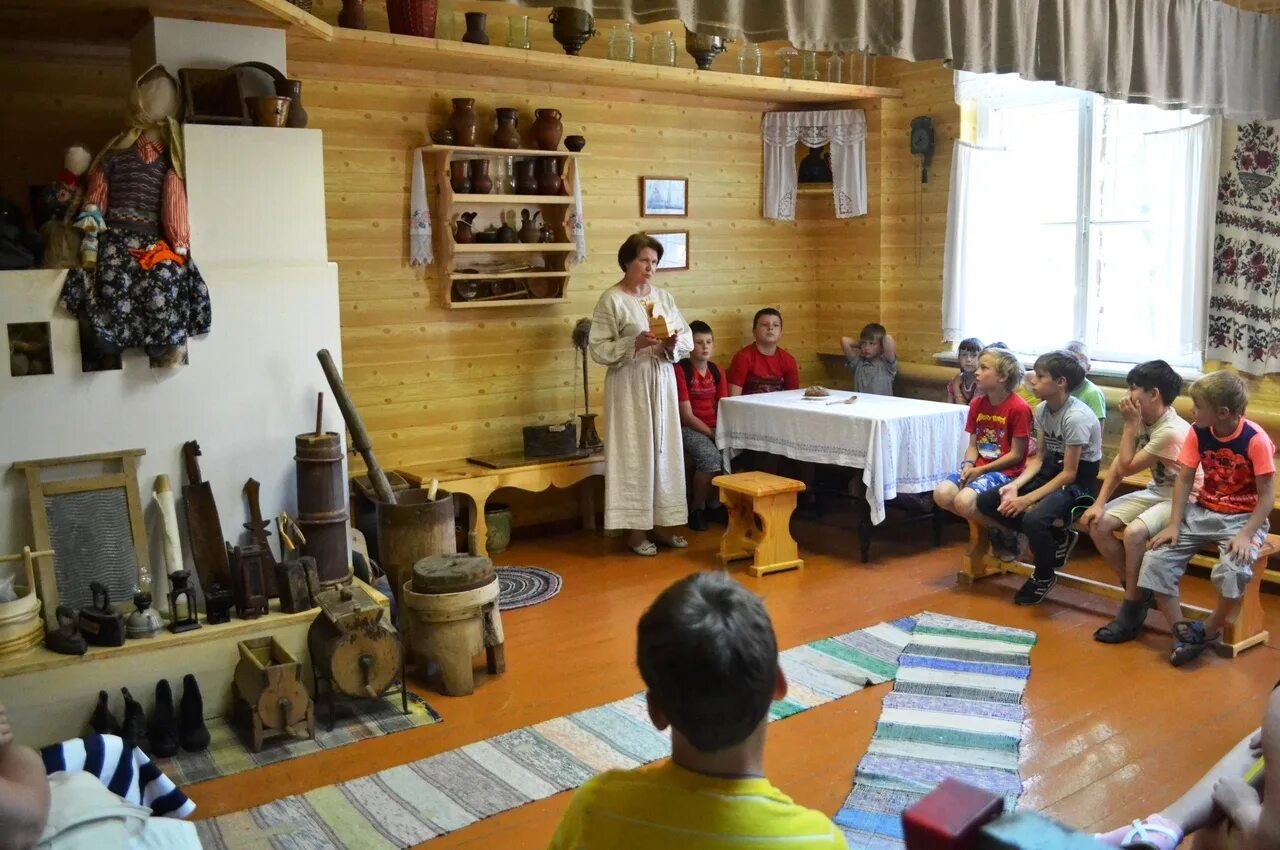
(844, 129)
(1194, 54)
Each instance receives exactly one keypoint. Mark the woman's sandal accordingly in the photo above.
(675, 541)
(1151, 833)
(1190, 641)
(646, 549)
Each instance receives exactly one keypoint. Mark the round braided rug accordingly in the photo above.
(520, 587)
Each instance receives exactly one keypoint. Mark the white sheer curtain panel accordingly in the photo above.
(1182, 176)
(844, 129)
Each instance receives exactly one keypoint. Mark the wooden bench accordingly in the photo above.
(760, 507)
(1247, 628)
(478, 483)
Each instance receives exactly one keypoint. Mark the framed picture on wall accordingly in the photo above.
(675, 250)
(664, 196)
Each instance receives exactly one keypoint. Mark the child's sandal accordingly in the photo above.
(1190, 642)
(1151, 833)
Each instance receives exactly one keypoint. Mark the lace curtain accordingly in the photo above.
(844, 129)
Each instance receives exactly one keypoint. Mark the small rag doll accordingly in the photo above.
(59, 201)
(138, 287)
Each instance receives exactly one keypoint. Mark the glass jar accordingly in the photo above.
(787, 55)
(518, 32)
(662, 49)
(622, 43)
(445, 30)
(835, 67)
(808, 65)
(750, 61)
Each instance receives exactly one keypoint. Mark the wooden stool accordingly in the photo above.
(451, 611)
(760, 507)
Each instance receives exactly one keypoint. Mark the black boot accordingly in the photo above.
(192, 732)
(164, 723)
(134, 728)
(102, 720)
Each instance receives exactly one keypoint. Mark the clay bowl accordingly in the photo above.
(442, 137)
(544, 287)
(575, 143)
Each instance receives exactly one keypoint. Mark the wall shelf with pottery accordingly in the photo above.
(476, 272)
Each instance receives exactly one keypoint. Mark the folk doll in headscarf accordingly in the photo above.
(139, 286)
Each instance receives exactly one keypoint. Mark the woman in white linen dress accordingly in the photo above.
(644, 459)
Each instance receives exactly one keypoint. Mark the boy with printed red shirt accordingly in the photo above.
(1234, 502)
(763, 366)
(699, 388)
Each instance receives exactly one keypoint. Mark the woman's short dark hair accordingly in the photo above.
(633, 245)
(709, 657)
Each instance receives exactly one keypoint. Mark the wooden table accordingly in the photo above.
(479, 482)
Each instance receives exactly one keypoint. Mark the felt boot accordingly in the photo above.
(192, 732)
(164, 723)
(134, 728)
(102, 720)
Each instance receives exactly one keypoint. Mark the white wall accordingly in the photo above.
(257, 213)
(179, 44)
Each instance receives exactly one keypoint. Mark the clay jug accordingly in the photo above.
(412, 17)
(463, 121)
(481, 182)
(462, 232)
(459, 177)
(507, 136)
(475, 33)
(571, 27)
(547, 129)
(506, 233)
(526, 180)
(549, 180)
(352, 15)
(530, 230)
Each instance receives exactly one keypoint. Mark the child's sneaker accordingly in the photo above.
(1152, 833)
(1034, 590)
(1004, 544)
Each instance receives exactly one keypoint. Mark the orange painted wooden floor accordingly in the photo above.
(1114, 731)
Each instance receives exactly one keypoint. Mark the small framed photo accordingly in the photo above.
(675, 250)
(664, 196)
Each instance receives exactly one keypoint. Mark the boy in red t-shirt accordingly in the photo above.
(1235, 500)
(699, 388)
(763, 366)
(999, 425)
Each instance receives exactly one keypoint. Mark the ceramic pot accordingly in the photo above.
(459, 177)
(507, 234)
(481, 182)
(463, 121)
(526, 180)
(507, 135)
(269, 110)
(475, 33)
(352, 15)
(530, 227)
(292, 89)
(412, 17)
(571, 27)
(549, 179)
(547, 129)
(498, 518)
(462, 233)
(575, 143)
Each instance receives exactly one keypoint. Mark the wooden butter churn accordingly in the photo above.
(322, 511)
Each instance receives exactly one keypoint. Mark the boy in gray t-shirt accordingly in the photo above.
(873, 359)
(1061, 475)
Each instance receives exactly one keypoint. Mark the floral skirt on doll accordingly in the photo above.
(136, 297)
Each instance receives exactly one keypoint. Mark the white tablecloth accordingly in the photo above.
(903, 445)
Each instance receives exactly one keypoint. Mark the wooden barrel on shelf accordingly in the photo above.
(322, 511)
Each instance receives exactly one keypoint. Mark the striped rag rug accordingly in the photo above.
(411, 803)
(955, 711)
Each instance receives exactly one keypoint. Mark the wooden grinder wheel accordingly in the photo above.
(351, 647)
(283, 702)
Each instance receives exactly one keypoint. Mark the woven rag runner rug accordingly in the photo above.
(955, 711)
(411, 803)
(355, 721)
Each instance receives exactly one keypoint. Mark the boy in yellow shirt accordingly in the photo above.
(709, 658)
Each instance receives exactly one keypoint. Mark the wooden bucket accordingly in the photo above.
(322, 512)
(412, 529)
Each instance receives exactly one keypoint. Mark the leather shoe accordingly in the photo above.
(192, 733)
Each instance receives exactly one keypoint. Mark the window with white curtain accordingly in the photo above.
(1076, 217)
